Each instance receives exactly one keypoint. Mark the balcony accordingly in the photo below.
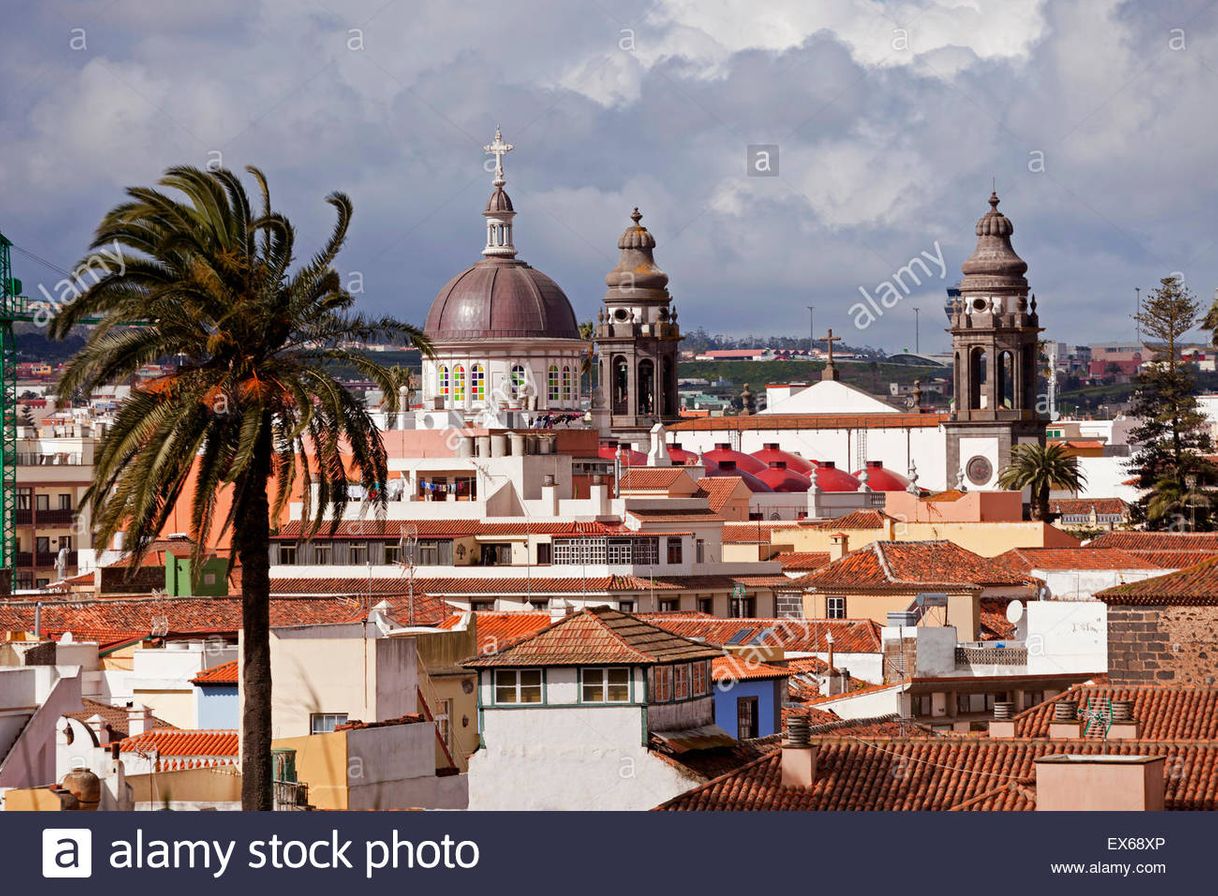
(991, 656)
(291, 796)
(43, 559)
(56, 517)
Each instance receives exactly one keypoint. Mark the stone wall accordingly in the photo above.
(1163, 645)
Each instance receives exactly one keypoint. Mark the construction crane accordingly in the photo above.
(14, 307)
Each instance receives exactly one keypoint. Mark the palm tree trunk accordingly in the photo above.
(1042, 503)
(252, 537)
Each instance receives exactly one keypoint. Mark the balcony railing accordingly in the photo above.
(43, 559)
(291, 796)
(991, 656)
(57, 517)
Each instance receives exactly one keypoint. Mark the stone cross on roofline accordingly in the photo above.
(830, 371)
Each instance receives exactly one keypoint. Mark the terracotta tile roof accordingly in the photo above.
(598, 635)
(857, 519)
(793, 635)
(458, 528)
(1163, 713)
(691, 515)
(911, 564)
(810, 421)
(223, 674)
(951, 494)
(1172, 559)
(107, 641)
(1028, 559)
(994, 623)
(934, 774)
(522, 586)
(1011, 796)
(114, 716)
(752, 532)
(1157, 541)
(1102, 506)
(180, 742)
(802, 561)
(494, 630)
(202, 615)
(719, 490)
(709, 764)
(736, 668)
(1196, 585)
(652, 478)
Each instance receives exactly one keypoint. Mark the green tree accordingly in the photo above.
(254, 406)
(1172, 435)
(1042, 468)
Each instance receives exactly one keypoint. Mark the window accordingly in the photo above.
(321, 554)
(517, 685)
(42, 502)
(495, 555)
(701, 679)
(746, 718)
(700, 551)
(835, 607)
(459, 383)
(519, 381)
(23, 498)
(670, 605)
(706, 605)
(744, 607)
(610, 685)
(568, 391)
(393, 552)
(626, 606)
(325, 722)
(674, 551)
(923, 705)
(661, 684)
(966, 703)
(543, 553)
(42, 545)
(552, 388)
(680, 682)
(430, 552)
(477, 383)
(65, 502)
(287, 554)
(444, 383)
(357, 553)
(443, 726)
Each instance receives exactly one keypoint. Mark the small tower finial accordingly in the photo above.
(636, 216)
(498, 149)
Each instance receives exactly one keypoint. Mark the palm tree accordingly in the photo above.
(1042, 468)
(253, 403)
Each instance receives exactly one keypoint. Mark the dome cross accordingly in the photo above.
(498, 149)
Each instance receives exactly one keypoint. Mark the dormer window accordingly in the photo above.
(605, 685)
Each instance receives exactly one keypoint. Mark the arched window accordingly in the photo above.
(459, 383)
(552, 391)
(477, 383)
(669, 388)
(568, 393)
(442, 374)
(647, 386)
(1006, 380)
(520, 381)
(978, 370)
(621, 384)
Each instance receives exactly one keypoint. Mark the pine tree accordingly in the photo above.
(1172, 436)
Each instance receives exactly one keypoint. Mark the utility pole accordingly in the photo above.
(917, 340)
(811, 330)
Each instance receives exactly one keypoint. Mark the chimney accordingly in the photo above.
(839, 546)
(1123, 726)
(829, 642)
(1065, 724)
(549, 494)
(1102, 782)
(657, 454)
(1002, 726)
(798, 754)
(598, 495)
(139, 719)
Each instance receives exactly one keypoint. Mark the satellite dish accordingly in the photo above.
(1014, 611)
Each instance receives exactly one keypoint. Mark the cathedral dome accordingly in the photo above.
(994, 264)
(770, 452)
(880, 479)
(829, 478)
(781, 478)
(501, 298)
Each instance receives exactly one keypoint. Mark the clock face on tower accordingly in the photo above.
(979, 470)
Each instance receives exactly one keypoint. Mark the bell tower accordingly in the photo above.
(636, 338)
(995, 330)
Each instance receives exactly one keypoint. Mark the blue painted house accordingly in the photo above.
(748, 696)
(216, 697)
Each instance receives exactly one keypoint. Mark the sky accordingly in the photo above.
(891, 122)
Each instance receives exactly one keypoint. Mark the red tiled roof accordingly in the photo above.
(1157, 541)
(752, 532)
(652, 478)
(1172, 559)
(522, 586)
(719, 490)
(911, 564)
(793, 635)
(934, 774)
(1073, 558)
(857, 519)
(223, 674)
(810, 421)
(1163, 713)
(598, 635)
(802, 561)
(691, 515)
(494, 630)
(738, 668)
(1085, 505)
(994, 623)
(179, 742)
(1196, 585)
(203, 615)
